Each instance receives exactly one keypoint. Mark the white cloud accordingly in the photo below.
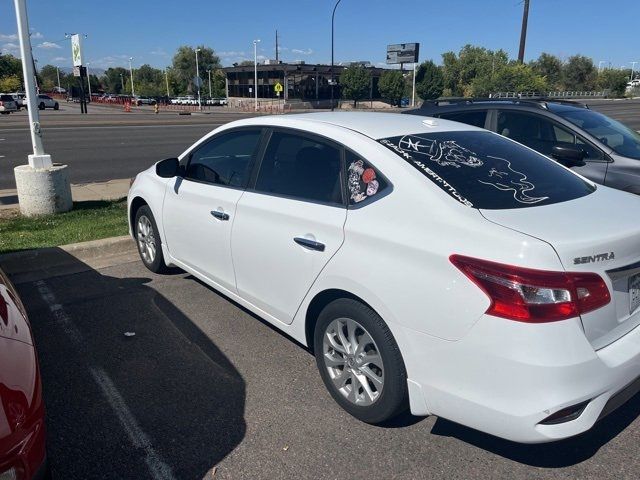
(231, 54)
(12, 48)
(111, 61)
(159, 52)
(10, 37)
(308, 51)
(59, 59)
(37, 35)
(48, 45)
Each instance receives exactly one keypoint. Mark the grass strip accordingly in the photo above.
(91, 220)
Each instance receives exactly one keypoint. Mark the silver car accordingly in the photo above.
(7, 104)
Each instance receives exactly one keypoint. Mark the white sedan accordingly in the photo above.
(429, 265)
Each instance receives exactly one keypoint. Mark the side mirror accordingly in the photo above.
(569, 156)
(168, 168)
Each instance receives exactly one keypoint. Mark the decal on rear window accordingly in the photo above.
(483, 170)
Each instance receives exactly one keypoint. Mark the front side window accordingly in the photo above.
(482, 170)
(301, 167)
(224, 160)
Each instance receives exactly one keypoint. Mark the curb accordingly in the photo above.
(41, 263)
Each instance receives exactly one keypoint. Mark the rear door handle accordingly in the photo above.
(220, 215)
(310, 244)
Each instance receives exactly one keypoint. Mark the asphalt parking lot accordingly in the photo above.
(204, 389)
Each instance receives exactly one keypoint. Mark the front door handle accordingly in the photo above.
(220, 215)
(310, 244)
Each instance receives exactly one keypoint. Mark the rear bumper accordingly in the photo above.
(505, 377)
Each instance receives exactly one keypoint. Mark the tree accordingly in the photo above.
(48, 78)
(218, 84)
(355, 83)
(246, 63)
(10, 83)
(514, 77)
(613, 80)
(471, 62)
(10, 65)
(549, 66)
(579, 73)
(429, 81)
(113, 82)
(392, 86)
(184, 66)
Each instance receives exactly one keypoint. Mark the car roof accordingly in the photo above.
(457, 105)
(375, 125)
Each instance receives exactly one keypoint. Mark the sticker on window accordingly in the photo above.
(483, 170)
(363, 181)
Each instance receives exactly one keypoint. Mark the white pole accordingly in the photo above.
(198, 80)
(166, 77)
(209, 84)
(633, 65)
(39, 159)
(58, 73)
(413, 92)
(133, 92)
(89, 81)
(255, 73)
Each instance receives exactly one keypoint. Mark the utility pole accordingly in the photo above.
(277, 57)
(198, 81)
(89, 80)
(166, 77)
(209, 71)
(255, 73)
(523, 32)
(58, 73)
(633, 65)
(333, 80)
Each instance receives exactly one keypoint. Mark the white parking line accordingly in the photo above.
(158, 469)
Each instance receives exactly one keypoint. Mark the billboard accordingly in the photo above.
(76, 49)
(403, 53)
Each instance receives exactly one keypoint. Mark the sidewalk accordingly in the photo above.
(81, 192)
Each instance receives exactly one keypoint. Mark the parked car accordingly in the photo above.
(22, 424)
(216, 101)
(7, 104)
(598, 147)
(20, 99)
(143, 101)
(428, 264)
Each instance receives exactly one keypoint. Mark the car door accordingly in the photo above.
(542, 134)
(291, 223)
(199, 207)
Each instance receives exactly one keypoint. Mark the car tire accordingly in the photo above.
(371, 357)
(41, 106)
(148, 240)
(56, 106)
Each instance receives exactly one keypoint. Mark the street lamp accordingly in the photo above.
(633, 65)
(166, 77)
(255, 72)
(133, 92)
(209, 72)
(333, 81)
(89, 80)
(198, 80)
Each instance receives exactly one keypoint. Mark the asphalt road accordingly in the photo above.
(204, 384)
(109, 144)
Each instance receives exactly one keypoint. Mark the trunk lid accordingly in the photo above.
(597, 233)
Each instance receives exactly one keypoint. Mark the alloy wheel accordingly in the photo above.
(146, 239)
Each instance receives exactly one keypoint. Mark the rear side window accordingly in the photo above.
(483, 170)
(225, 159)
(476, 118)
(301, 167)
(363, 181)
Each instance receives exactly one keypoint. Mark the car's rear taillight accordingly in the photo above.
(535, 296)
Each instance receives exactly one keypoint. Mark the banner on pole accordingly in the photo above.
(76, 49)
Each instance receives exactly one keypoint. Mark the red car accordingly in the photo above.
(22, 427)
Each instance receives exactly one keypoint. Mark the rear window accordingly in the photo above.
(484, 170)
(6, 98)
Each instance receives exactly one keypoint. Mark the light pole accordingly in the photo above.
(198, 80)
(333, 81)
(209, 72)
(58, 74)
(122, 81)
(166, 77)
(633, 65)
(42, 187)
(413, 89)
(89, 80)
(133, 92)
(255, 72)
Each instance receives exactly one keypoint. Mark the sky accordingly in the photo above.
(151, 31)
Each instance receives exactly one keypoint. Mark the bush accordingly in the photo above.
(429, 81)
(355, 83)
(392, 86)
